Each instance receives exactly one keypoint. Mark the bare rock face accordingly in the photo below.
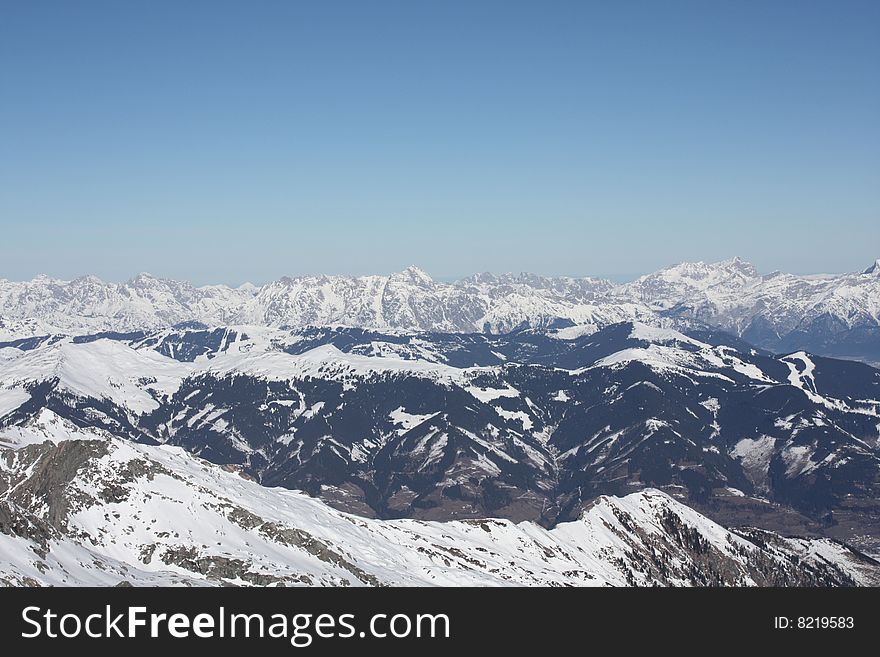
(50, 471)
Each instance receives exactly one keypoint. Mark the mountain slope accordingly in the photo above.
(80, 508)
(523, 426)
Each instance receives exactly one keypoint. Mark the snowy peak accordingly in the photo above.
(692, 280)
(88, 280)
(874, 268)
(737, 263)
(701, 274)
(247, 287)
(413, 275)
(143, 279)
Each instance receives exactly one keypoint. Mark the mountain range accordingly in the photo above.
(526, 426)
(79, 507)
(696, 426)
(832, 315)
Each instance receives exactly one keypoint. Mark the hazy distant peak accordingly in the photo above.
(413, 274)
(873, 269)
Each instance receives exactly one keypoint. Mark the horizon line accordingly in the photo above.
(618, 278)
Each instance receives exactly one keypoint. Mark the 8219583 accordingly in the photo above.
(814, 623)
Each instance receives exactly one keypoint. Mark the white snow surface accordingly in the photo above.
(210, 515)
(728, 294)
(135, 378)
(12, 398)
(103, 369)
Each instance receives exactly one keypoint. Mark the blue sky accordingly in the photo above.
(231, 141)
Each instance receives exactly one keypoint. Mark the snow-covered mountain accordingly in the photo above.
(79, 507)
(88, 304)
(830, 315)
(408, 300)
(594, 410)
(529, 426)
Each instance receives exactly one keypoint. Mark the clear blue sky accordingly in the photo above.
(231, 141)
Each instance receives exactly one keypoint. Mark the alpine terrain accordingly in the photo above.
(703, 425)
(830, 315)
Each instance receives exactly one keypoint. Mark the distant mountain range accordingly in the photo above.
(829, 315)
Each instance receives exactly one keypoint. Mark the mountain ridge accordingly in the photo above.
(526, 425)
(78, 507)
(834, 315)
